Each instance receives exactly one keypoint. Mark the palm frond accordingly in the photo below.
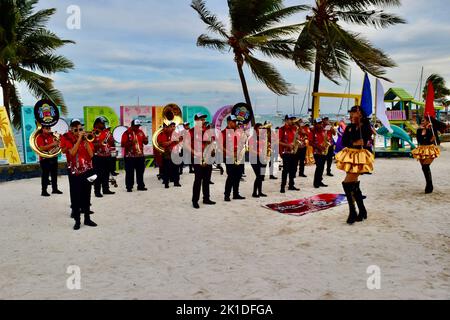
(210, 19)
(363, 4)
(48, 64)
(280, 31)
(370, 18)
(207, 42)
(267, 74)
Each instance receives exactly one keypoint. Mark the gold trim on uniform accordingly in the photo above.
(355, 160)
(426, 152)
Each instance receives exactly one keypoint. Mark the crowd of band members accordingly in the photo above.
(298, 145)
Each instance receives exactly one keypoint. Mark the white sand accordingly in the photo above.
(155, 246)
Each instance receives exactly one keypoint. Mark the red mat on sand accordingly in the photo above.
(305, 206)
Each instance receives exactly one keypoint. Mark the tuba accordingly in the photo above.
(46, 114)
(268, 148)
(171, 113)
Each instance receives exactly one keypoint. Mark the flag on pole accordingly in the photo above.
(366, 100)
(381, 107)
(429, 105)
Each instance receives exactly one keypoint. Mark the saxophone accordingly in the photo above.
(326, 146)
(241, 157)
(297, 142)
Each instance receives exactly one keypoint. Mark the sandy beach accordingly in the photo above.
(153, 245)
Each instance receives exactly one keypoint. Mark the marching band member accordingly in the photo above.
(319, 143)
(46, 142)
(186, 130)
(133, 141)
(79, 153)
(287, 135)
(355, 160)
(230, 139)
(427, 151)
(170, 170)
(301, 152)
(330, 132)
(202, 168)
(258, 152)
(103, 144)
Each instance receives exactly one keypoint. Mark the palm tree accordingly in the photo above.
(441, 92)
(327, 47)
(254, 28)
(26, 48)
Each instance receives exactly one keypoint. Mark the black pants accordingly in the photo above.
(80, 193)
(112, 164)
(201, 182)
(132, 165)
(330, 157)
(49, 168)
(260, 172)
(102, 166)
(171, 172)
(320, 167)
(289, 169)
(234, 173)
(301, 157)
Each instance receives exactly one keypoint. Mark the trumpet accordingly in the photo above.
(91, 136)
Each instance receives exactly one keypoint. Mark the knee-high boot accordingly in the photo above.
(360, 203)
(427, 173)
(349, 192)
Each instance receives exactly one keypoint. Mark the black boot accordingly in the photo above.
(88, 222)
(44, 193)
(349, 191)
(260, 193)
(427, 172)
(255, 189)
(77, 225)
(359, 198)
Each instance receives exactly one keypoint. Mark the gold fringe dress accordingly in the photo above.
(356, 159)
(427, 149)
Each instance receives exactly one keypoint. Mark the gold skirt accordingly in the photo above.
(355, 160)
(309, 161)
(426, 152)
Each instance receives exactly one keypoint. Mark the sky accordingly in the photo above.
(145, 51)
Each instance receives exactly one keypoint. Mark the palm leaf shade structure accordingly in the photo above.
(255, 27)
(325, 46)
(27, 55)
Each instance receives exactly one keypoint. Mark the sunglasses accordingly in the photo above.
(78, 130)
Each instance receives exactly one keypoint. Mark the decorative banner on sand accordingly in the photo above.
(8, 147)
(308, 205)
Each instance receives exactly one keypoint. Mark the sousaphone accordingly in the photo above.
(171, 113)
(47, 114)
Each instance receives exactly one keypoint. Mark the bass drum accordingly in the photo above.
(118, 133)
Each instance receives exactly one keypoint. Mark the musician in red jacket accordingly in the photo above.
(103, 145)
(46, 142)
(133, 141)
(320, 144)
(79, 153)
(287, 135)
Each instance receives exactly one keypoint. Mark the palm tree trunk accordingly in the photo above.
(316, 86)
(245, 89)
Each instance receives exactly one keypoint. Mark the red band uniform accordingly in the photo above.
(133, 141)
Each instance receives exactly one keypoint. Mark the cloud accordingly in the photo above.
(147, 48)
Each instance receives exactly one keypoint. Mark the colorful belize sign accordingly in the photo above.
(151, 116)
